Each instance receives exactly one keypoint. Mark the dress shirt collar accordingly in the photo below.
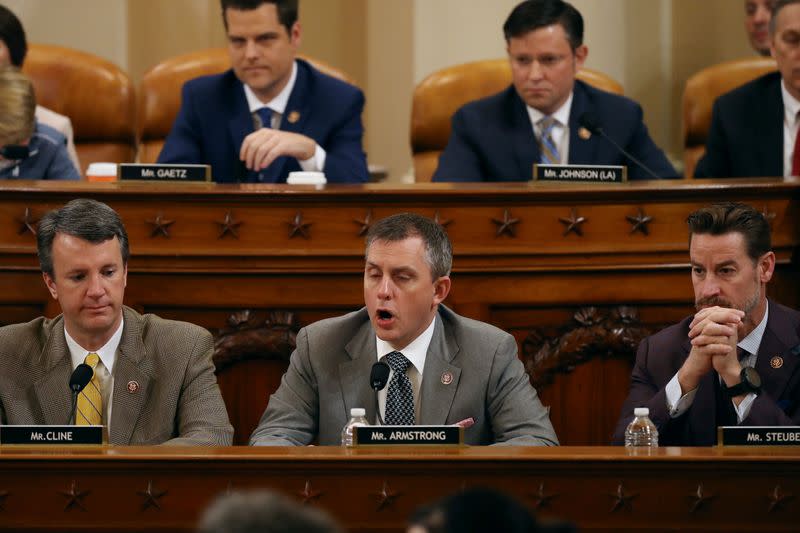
(561, 115)
(414, 352)
(108, 353)
(277, 104)
(791, 106)
(753, 339)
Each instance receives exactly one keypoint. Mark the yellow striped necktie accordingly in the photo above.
(90, 401)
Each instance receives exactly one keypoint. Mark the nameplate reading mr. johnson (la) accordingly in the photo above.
(580, 173)
(414, 435)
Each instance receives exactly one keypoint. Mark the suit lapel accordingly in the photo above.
(581, 150)
(526, 147)
(354, 373)
(52, 388)
(778, 339)
(131, 366)
(436, 397)
(769, 128)
(240, 125)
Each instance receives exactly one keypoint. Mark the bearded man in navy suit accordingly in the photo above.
(271, 114)
(498, 138)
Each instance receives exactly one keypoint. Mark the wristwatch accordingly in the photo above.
(751, 382)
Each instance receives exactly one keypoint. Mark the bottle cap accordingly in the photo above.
(358, 411)
(641, 411)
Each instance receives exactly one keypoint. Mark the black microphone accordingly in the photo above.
(377, 380)
(589, 121)
(14, 152)
(80, 377)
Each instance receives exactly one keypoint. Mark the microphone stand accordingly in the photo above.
(73, 408)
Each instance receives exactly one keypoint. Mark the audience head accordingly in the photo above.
(784, 28)
(544, 41)
(83, 253)
(263, 37)
(479, 510)
(757, 14)
(13, 45)
(17, 107)
(263, 512)
(406, 276)
(731, 256)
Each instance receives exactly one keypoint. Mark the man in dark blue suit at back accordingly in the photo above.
(538, 118)
(271, 114)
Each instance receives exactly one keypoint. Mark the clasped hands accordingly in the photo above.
(265, 145)
(714, 334)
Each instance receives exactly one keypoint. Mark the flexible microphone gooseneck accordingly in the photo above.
(377, 380)
(589, 121)
(80, 377)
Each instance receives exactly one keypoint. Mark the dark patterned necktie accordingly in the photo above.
(400, 396)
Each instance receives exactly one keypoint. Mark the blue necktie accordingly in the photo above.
(400, 396)
(265, 175)
(547, 146)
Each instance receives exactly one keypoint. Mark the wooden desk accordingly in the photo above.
(576, 274)
(601, 489)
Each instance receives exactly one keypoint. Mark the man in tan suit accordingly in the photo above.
(155, 377)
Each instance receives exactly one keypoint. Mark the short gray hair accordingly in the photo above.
(86, 219)
(779, 4)
(263, 512)
(438, 250)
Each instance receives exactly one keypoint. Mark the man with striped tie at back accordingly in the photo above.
(153, 380)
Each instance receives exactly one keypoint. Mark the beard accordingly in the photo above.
(717, 301)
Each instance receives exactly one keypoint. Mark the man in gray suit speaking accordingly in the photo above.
(445, 369)
(153, 379)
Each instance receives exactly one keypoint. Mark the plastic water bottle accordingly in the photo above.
(357, 418)
(641, 432)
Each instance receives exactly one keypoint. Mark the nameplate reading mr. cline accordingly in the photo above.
(414, 435)
(580, 173)
(51, 435)
(758, 435)
(170, 173)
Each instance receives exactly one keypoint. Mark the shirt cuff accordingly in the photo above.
(316, 162)
(743, 409)
(677, 404)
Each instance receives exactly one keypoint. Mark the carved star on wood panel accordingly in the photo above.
(574, 223)
(3, 497)
(622, 500)
(699, 498)
(74, 497)
(309, 494)
(768, 215)
(151, 496)
(437, 217)
(386, 496)
(27, 223)
(298, 227)
(365, 224)
(778, 498)
(507, 226)
(542, 497)
(160, 226)
(639, 222)
(229, 226)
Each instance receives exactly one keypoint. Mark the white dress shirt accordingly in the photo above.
(104, 369)
(560, 132)
(415, 352)
(278, 107)
(678, 404)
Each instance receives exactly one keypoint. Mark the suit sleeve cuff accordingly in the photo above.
(677, 404)
(316, 162)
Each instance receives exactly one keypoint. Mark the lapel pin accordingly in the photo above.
(584, 134)
(133, 387)
(293, 117)
(447, 378)
(776, 362)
